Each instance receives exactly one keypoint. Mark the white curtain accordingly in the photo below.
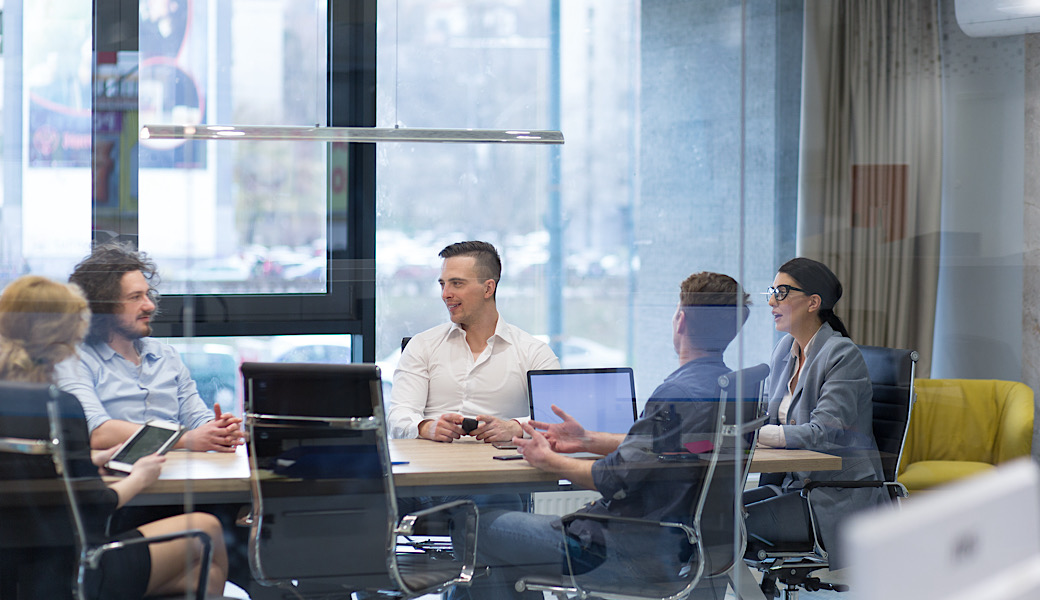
(870, 163)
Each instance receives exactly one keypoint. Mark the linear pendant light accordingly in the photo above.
(348, 134)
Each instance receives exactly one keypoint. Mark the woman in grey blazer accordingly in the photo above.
(819, 399)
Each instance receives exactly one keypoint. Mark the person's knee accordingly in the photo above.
(211, 526)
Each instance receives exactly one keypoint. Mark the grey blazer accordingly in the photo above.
(831, 411)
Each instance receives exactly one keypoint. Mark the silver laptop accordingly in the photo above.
(600, 399)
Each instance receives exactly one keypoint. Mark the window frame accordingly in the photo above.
(348, 305)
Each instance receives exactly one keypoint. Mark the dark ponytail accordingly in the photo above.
(815, 278)
(828, 317)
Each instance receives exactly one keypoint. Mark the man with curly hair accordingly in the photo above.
(124, 378)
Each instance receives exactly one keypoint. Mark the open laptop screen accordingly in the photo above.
(600, 399)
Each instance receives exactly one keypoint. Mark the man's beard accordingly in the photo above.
(133, 333)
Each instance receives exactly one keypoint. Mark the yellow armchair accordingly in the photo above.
(960, 427)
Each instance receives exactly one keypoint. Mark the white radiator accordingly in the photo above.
(562, 503)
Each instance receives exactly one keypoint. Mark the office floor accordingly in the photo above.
(560, 503)
(827, 576)
(833, 577)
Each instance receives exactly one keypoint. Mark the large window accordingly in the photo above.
(249, 236)
(596, 235)
(695, 141)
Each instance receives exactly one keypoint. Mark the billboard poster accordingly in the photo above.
(164, 83)
(172, 79)
(57, 64)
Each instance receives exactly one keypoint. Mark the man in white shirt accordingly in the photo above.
(475, 366)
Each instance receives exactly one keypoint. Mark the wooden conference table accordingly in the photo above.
(421, 467)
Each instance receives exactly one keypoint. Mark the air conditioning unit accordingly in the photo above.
(986, 18)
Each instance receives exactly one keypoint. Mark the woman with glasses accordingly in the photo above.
(819, 399)
(41, 323)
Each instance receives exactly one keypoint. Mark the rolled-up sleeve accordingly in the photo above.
(623, 468)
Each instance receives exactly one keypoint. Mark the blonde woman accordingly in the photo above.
(41, 323)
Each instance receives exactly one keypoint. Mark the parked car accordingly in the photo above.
(327, 348)
(214, 367)
(583, 353)
(317, 353)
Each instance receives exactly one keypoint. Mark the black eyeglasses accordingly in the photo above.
(781, 291)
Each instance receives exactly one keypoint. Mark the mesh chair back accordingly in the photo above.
(323, 498)
(37, 539)
(741, 397)
(720, 434)
(54, 507)
(891, 373)
(745, 409)
(35, 513)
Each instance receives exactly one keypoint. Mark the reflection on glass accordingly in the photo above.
(249, 218)
(214, 362)
(152, 133)
(559, 215)
(45, 222)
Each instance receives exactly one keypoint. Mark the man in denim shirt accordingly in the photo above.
(630, 476)
(124, 378)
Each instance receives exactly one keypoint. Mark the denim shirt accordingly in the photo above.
(111, 387)
(631, 479)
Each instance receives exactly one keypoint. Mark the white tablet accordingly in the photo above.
(153, 437)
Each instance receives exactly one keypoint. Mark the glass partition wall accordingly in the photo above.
(723, 136)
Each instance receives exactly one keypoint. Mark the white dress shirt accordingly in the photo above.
(438, 374)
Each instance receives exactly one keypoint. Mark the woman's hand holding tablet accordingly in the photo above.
(154, 437)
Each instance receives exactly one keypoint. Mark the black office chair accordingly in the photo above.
(50, 536)
(707, 537)
(324, 517)
(891, 374)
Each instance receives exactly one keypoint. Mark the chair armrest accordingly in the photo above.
(900, 489)
(92, 557)
(691, 534)
(468, 554)
(1015, 430)
(807, 489)
(754, 424)
(811, 485)
(407, 523)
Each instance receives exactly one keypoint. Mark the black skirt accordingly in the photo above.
(123, 574)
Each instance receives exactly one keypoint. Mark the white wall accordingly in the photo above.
(978, 329)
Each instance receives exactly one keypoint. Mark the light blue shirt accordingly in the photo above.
(111, 387)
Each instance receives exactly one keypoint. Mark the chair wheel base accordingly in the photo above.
(809, 584)
(793, 579)
(813, 584)
(768, 586)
